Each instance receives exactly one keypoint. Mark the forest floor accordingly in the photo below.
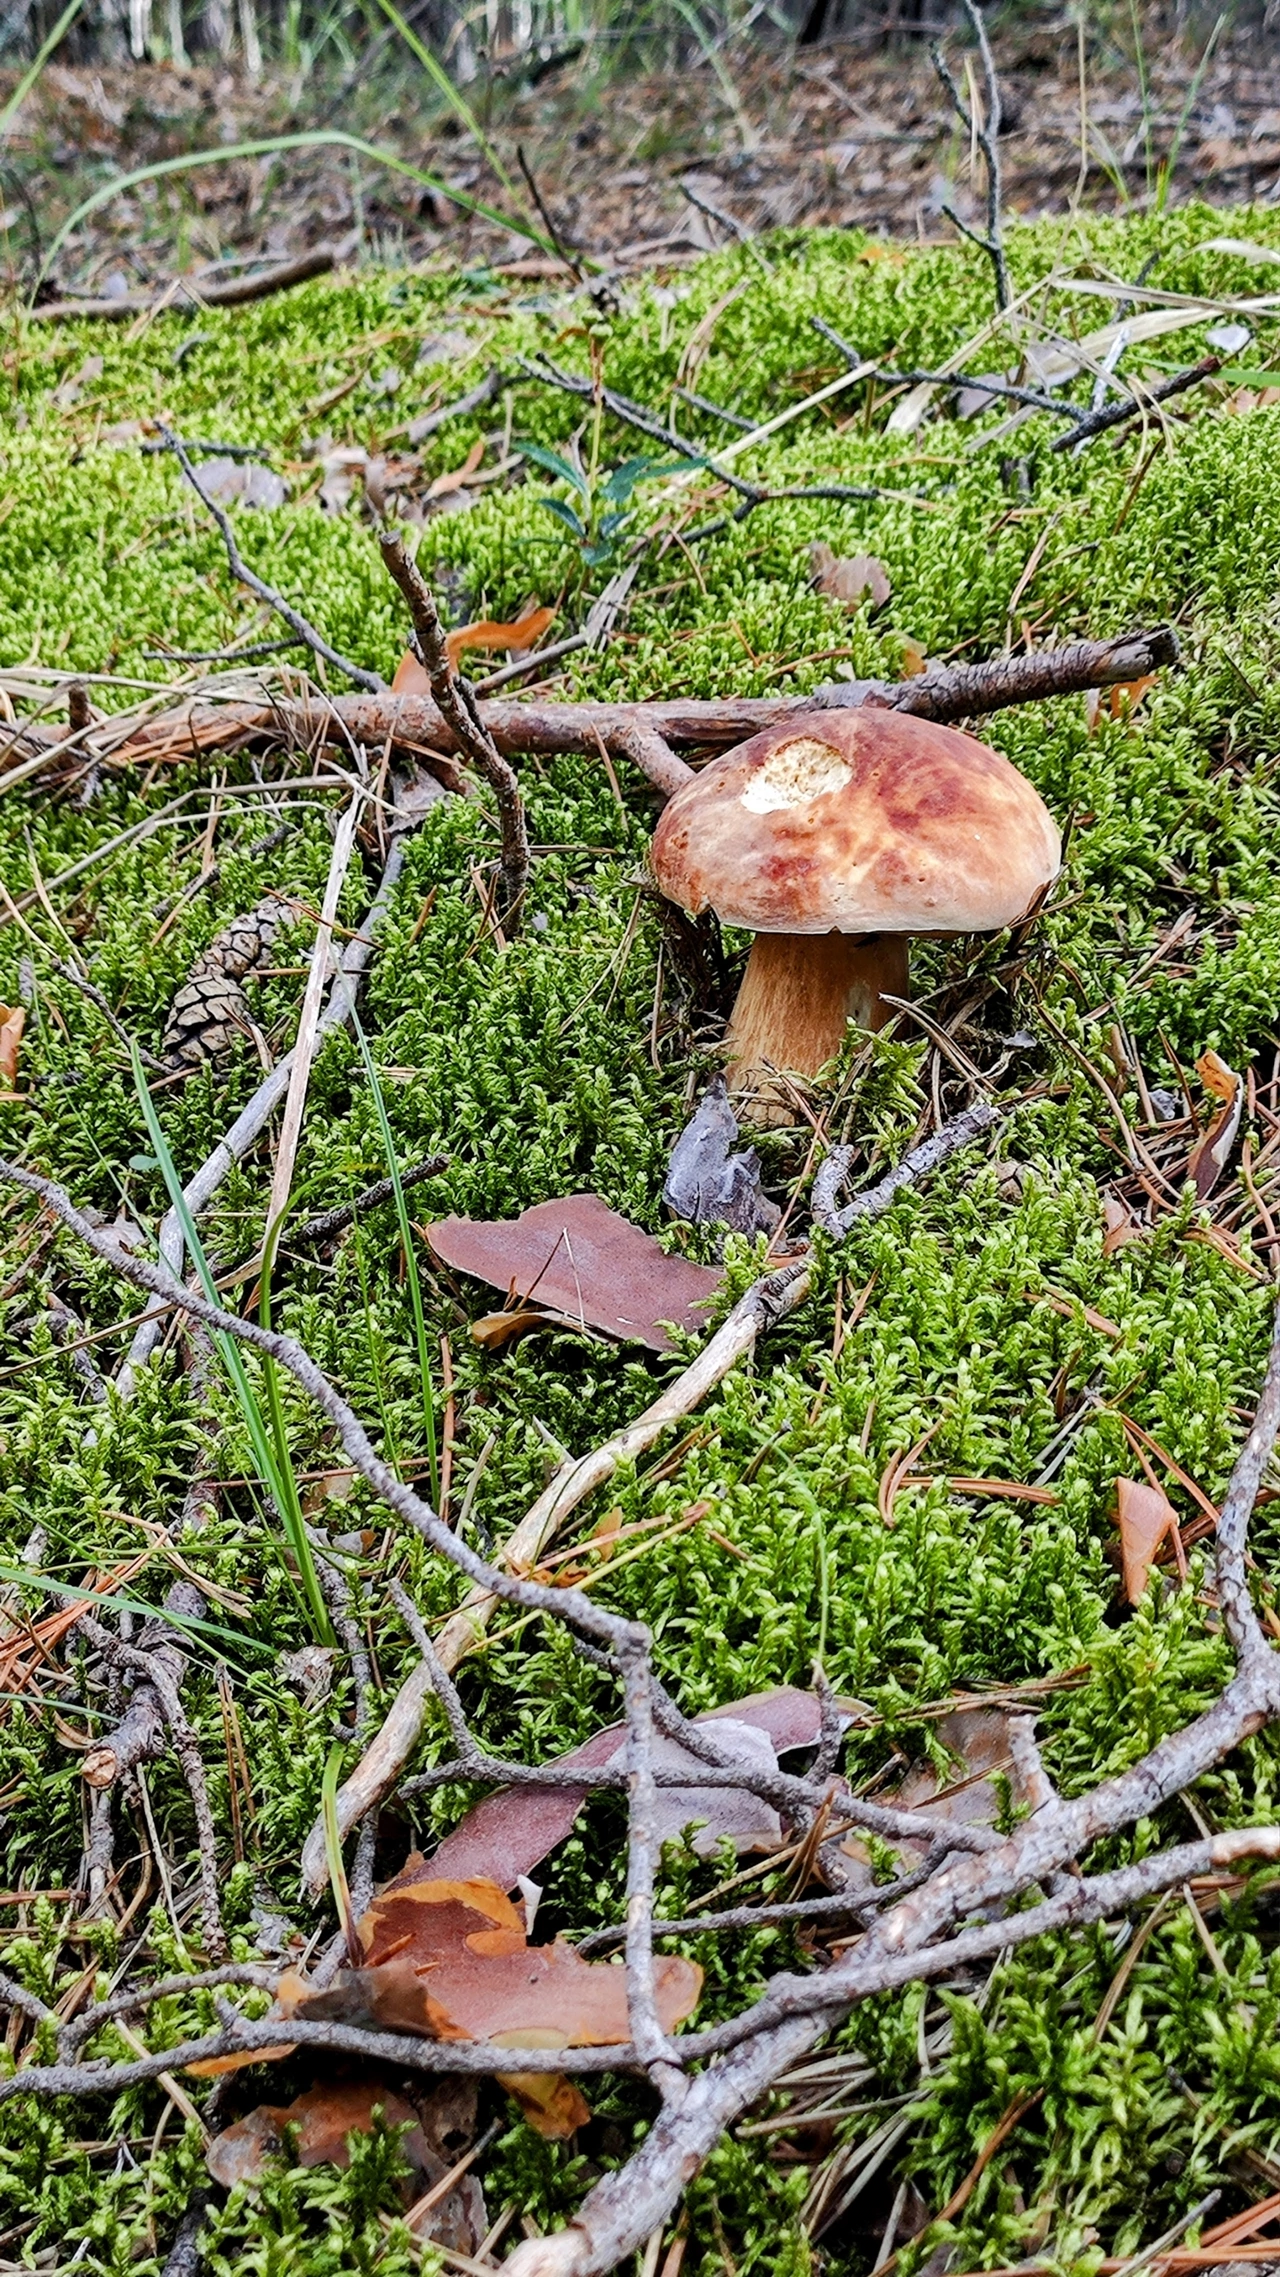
(633, 166)
(915, 1482)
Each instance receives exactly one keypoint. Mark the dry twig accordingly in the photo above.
(985, 128)
(458, 706)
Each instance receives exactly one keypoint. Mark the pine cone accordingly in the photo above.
(211, 1011)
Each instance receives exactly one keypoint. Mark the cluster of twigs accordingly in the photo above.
(974, 1894)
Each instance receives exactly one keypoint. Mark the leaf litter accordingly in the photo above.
(587, 1266)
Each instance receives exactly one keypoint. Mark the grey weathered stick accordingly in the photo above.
(240, 570)
(254, 1117)
(928, 1156)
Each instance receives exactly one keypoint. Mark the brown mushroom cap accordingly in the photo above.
(858, 821)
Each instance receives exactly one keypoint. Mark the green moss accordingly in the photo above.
(531, 1070)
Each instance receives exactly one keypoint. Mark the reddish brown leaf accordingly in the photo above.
(526, 632)
(13, 1020)
(1145, 1520)
(1209, 1156)
(847, 577)
(507, 1835)
(1120, 1223)
(449, 1960)
(324, 2118)
(577, 1257)
(437, 2121)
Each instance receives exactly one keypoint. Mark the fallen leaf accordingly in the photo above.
(450, 1960)
(579, 1258)
(495, 1330)
(1120, 701)
(706, 1183)
(847, 577)
(525, 632)
(324, 2118)
(458, 479)
(914, 660)
(1145, 1520)
(507, 1835)
(1209, 1156)
(13, 1020)
(245, 482)
(969, 1794)
(1121, 1225)
(438, 2126)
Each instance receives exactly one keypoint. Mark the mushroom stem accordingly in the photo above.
(798, 993)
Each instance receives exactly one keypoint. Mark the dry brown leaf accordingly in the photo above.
(847, 577)
(1120, 701)
(579, 1258)
(13, 1020)
(439, 2123)
(495, 1330)
(445, 484)
(1145, 1520)
(979, 1740)
(1121, 1225)
(324, 2117)
(450, 1959)
(508, 1834)
(914, 660)
(1209, 1156)
(526, 632)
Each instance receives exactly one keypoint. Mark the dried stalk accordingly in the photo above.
(458, 706)
(380, 1767)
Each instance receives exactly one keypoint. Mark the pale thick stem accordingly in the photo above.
(798, 994)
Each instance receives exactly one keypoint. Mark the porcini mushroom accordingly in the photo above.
(834, 838)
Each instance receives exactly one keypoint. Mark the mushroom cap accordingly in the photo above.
(858, 821)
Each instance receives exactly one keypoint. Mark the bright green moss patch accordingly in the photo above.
(569, 1061)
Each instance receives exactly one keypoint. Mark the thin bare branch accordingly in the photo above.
(458, 705)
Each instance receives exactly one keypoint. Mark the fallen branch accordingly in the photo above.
(975, 1903)
(983, 125)
(928, 1156)
(329, 1223)
(1135, 406)
(185, 293)
(947, 693)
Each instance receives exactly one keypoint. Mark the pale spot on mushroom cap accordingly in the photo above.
(795, 773)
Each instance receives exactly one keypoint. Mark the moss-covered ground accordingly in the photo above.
(565, 1061)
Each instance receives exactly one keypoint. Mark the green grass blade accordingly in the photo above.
(276, 1477)
(457, 102)
(24, 1577)
(38, 61)
(267, 146)
(425, 1370)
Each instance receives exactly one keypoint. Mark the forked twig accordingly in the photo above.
(306, 631)
(986, 131)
